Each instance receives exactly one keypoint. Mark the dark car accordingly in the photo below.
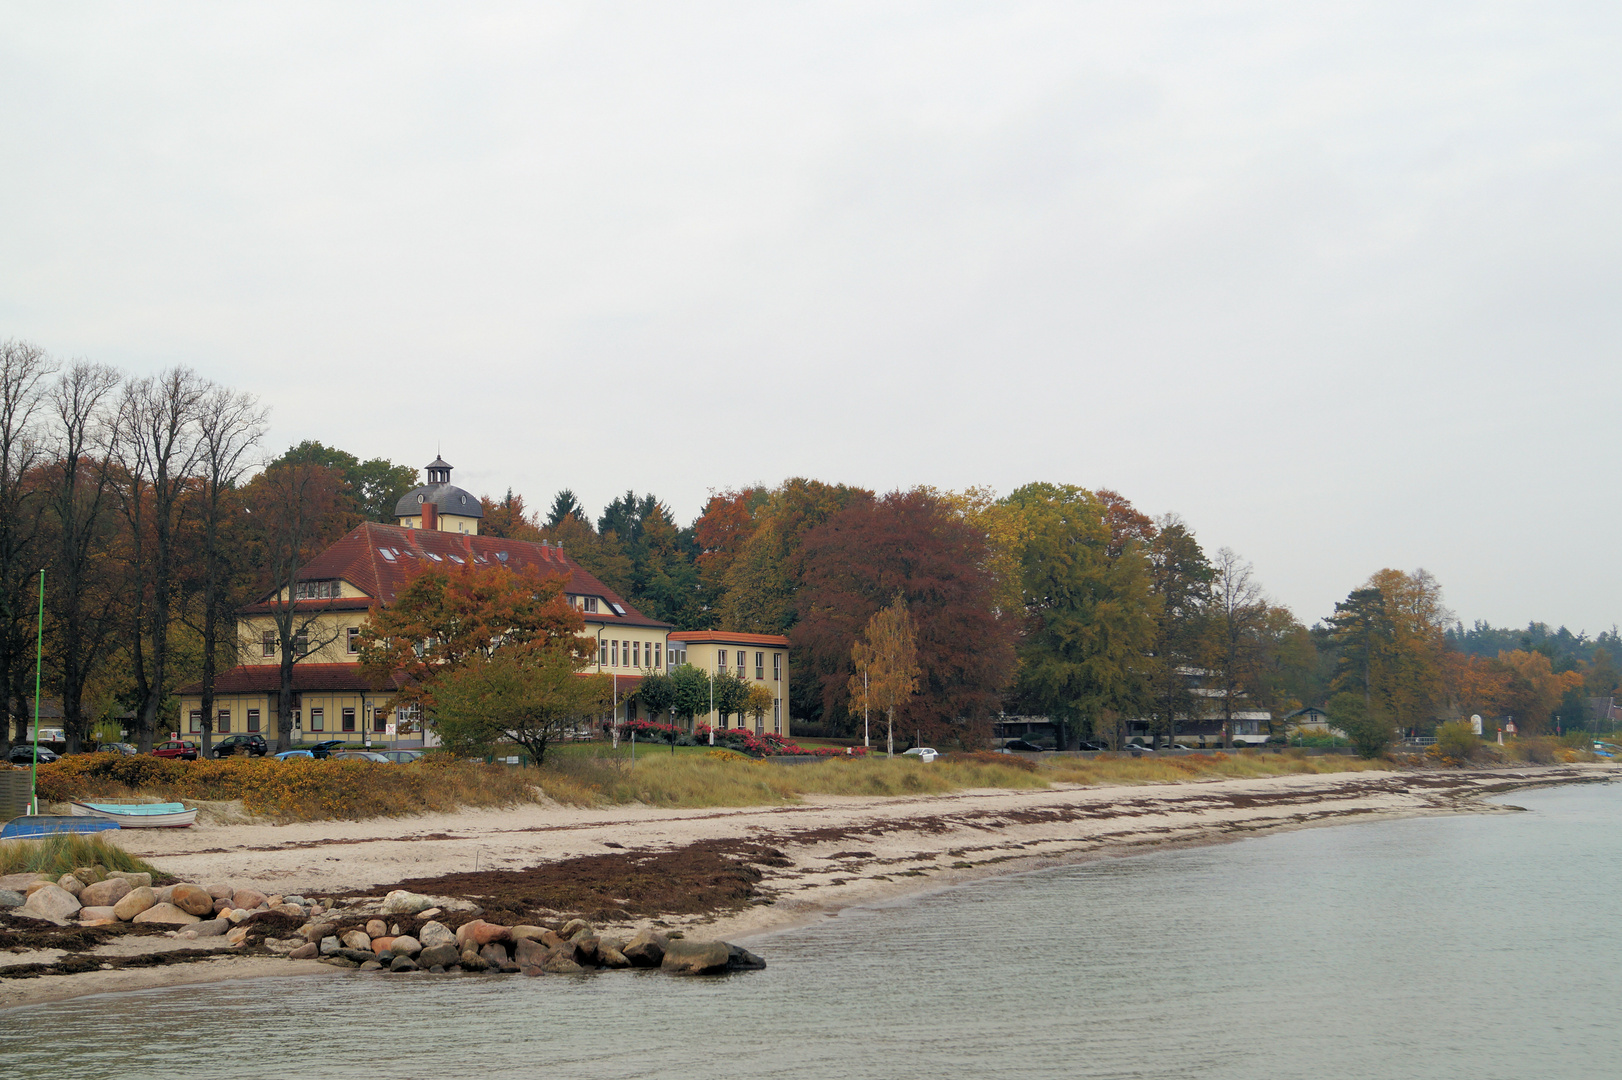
(1022, 746)
(1091, 746)
(123, 749)
(322, 749)
(251, 745)
(182, 749)
(23, 754)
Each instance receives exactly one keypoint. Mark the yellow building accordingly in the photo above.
(755, 658)
(368, 567)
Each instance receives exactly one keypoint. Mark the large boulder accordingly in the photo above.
(192, 899)
(402, 902)
(98, 913)
(482, 933)
(51, 903)
(89, 875)
(403, 963)
(646, 948)
(558, 963)
(442, 955)
(436, 933)
(247, 898)
(405, 945)
(380, 945)
(105, 893)
(71, 884)
(307, 951)
(134, 902)
(221, 891)
(10, 898)
(684, 957)
(136, 880)
(315, 931)
(212, 927)
(573, 927)
(741, 959)
(609, 957)
(494, 955)
(356, 939)
(376, 928)
(586, 947)
(528, 952)
(166, 914)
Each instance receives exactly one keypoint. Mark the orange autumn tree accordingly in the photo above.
(445, 619)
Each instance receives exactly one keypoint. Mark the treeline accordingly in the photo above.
(149, 504)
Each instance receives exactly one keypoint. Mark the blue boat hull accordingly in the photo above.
(34, 826)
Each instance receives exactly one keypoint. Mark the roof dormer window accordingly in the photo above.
(316, 590)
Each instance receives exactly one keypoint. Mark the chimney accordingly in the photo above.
(430, 516)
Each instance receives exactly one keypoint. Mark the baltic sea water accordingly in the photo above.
(1479, 946)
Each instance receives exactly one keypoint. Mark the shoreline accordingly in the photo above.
(807, 861)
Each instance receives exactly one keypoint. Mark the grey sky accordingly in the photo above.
(1337, 283)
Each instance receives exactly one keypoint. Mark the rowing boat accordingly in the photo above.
(35, 826)
(139, 815)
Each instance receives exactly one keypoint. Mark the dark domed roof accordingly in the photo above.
(447, 499)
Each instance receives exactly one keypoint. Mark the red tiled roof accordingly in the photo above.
(343, 603)
(267, 679)
(726, 637)
(358, 559)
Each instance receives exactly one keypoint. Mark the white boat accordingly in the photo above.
(171, 815)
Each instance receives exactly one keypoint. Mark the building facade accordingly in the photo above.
(756, 658)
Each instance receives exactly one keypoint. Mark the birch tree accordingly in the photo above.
(886, 659)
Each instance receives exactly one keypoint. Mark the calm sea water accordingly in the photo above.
(1472, 946)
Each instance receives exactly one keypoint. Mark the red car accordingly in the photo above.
(181, 748)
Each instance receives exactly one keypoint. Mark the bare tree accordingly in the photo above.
(157, 455)
(1238, 616)
(229, 426)
(85, 602)
(23, 371)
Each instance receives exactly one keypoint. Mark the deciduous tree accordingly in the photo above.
(885, 657)
(24, 374)
(528, 698)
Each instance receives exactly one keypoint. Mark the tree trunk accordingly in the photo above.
(284, 704)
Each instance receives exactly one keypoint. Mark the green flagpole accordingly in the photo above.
(39, 657)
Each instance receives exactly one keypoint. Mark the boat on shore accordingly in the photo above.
(139, 815)
(37, 826)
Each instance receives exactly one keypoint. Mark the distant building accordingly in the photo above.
(761, 658)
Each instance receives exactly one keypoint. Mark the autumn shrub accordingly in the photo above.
(299, 789)
(57, 855)
(1457, 741)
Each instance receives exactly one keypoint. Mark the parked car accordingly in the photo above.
(401, 757)
(23, 754)
(181, 749)
(124, 748)
(1093, 746)
(1022, 746)
(286, 754)
(359, 755)
(922, 753)
(251, 745)
(1180, 746)
(322, 749)
(1144, 747)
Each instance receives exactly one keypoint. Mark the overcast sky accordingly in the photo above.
(1338, 283)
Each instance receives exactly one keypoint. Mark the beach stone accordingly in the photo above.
(405, 945)
(212, 927)
(89, 875)
(329, 945)
(395, 930)
(272, 900)
(247, 898)
(52, 903)
(237, 915)
(403, 963)
(134, 902)
(140, 880)
(528, 952)
(482, 933)
(221, 906)
(741, 959)
(105, 893)
(357, 939)
(289, 909)
(359, 956)
(473, 962)
(431, 912)
(96, 913)
(307, 951)
(221, 892)
(494, 955)
(371, 965)
(585, 948)
(611, 958)
(402, 902)
(315, 931)
(167, 914)
(381, 945)
(696, 957)
(10, 898)
(164, 894)
(70, 883)
(441, 955)
(192, 899)
(434, 933)
(557, 963)
(237, 935)
(376, 928)
(35, 886)
(573, 927)
(646, 948)
(295, 898)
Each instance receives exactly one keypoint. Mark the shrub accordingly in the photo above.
(1458, 741)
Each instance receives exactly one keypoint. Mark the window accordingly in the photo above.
(721, 660)
(349, 718)
(760, 724)
(318, 719)
(777, 667)
(636, 654)
(223, 724)
(602, 661)
(743, 662)
(267, 643)
(760, 666)
(353, 635)
(197, 720)
(408, 718)
(253, 719)
(658, 647)
(614, 654)
(316, 590)
(380, 720)
(777, 716)
(301, 643)
(588, 604)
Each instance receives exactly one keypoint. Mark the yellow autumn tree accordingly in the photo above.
(886, 658)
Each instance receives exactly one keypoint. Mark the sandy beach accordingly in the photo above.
(804, 860)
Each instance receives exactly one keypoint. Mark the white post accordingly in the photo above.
(866, 707)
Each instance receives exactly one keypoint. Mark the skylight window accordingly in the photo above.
(617, 609)
(434, 557)
(386, 553)
(457, 559)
